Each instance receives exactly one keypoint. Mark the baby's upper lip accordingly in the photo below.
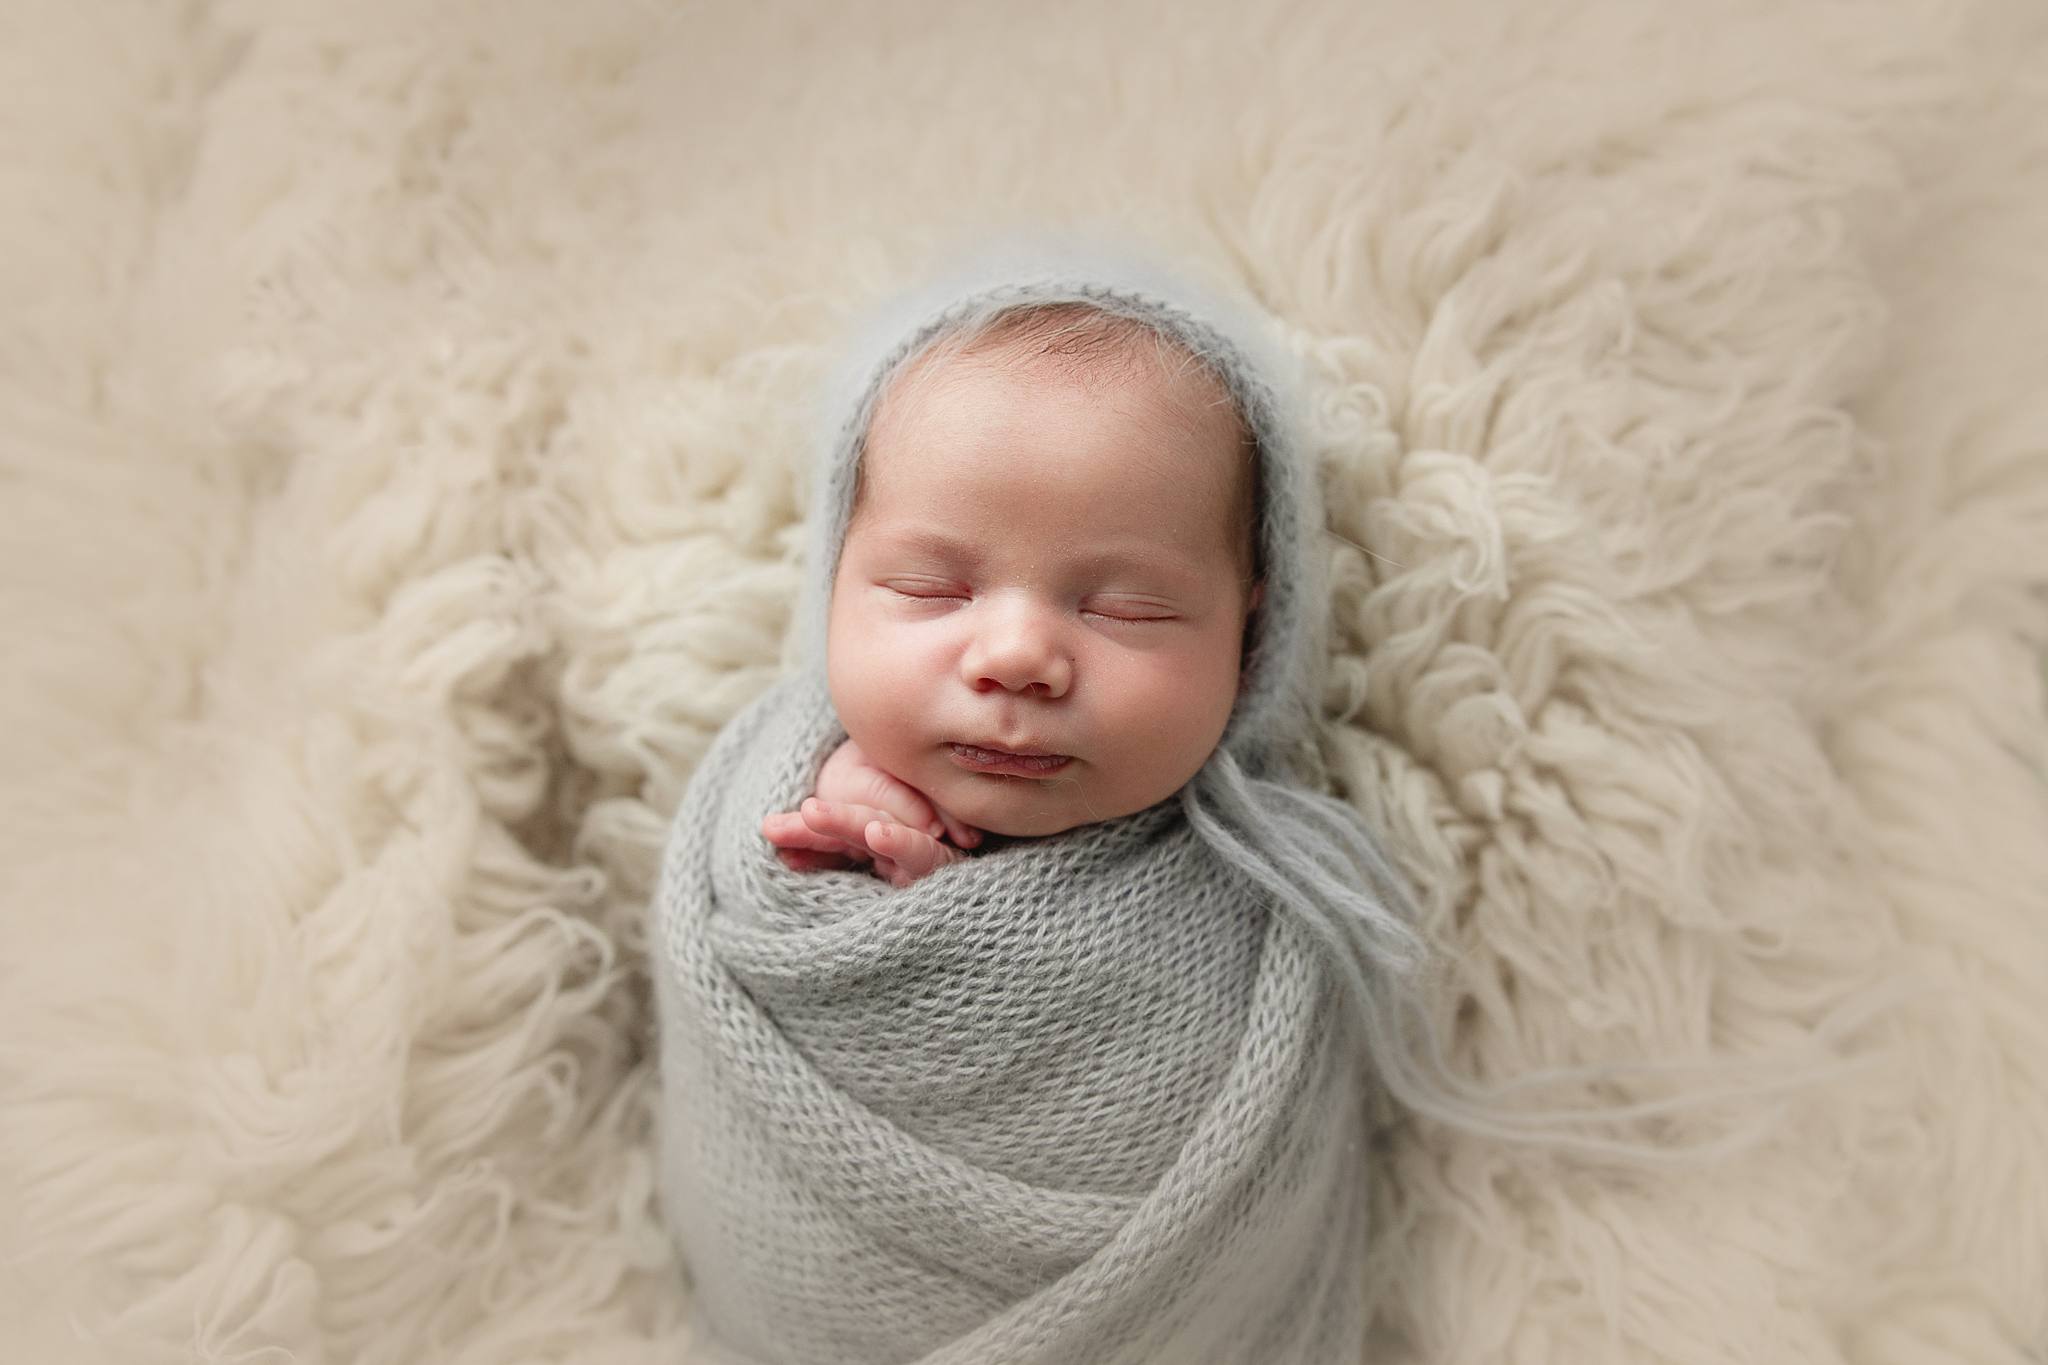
(1020, 750)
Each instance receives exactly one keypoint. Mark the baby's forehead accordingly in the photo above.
(1133, 367)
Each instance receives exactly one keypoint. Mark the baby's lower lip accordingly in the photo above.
(1015, 765)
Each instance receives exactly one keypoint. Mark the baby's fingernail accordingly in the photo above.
(936, 829)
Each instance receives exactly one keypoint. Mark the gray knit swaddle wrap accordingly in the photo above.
(1085, 1098)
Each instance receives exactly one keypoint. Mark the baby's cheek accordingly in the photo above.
(874, 693)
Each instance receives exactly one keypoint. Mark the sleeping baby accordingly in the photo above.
(1040, 612)
(1082, 1076)
(1018, 986)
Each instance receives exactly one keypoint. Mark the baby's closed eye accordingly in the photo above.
(1130, 609)
(1116, 608)
(925, 589)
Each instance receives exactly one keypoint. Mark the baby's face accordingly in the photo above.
(1046, 568)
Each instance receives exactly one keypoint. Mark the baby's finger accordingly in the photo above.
(895, 799)
(843, 820)
(912, 851)
(806, 860)
(788, 830)
(888, 869)
(960, 832)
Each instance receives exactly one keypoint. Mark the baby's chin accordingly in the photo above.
(1019, 807)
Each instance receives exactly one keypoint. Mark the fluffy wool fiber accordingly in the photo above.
(402, 415)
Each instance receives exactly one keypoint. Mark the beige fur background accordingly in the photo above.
(402, 439)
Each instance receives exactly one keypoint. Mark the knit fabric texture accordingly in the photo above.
(1094, 1097)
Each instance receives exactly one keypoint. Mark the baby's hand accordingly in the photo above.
(850, 778)
(832, 830)
(857, 833)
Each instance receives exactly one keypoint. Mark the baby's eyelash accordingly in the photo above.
(953, 595)
(1129, 620)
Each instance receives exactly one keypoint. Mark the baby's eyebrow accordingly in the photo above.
(925, 539)
(1159, 562)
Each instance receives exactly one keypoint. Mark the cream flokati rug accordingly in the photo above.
(402, 424)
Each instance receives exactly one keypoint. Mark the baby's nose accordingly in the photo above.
(1018, 656)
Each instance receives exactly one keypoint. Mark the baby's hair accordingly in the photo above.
(1079, 343)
